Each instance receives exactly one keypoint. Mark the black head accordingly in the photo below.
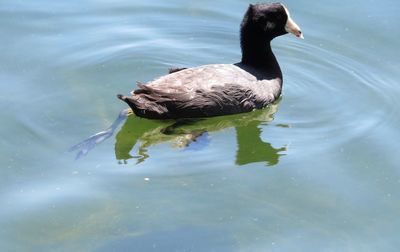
(268, 20)
(261, 24)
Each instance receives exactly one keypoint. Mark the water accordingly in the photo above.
(317, 172)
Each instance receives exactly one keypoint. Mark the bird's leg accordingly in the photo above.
(171, 129)
(88, 144)
(187, 136)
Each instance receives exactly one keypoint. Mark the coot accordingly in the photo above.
(222, 89)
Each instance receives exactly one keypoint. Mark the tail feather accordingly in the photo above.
(121, 97)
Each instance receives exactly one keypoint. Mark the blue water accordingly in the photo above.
(318, 171)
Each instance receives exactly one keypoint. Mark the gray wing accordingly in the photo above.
(203, 77)
(204, 91)
(219, 100)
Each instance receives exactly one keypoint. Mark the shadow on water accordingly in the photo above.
(188, 134)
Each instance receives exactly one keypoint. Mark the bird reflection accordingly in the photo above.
(251, 149)
(139, 134)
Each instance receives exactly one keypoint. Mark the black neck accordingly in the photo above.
(257, 52)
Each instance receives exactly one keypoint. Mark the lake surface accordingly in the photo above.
(318, 171)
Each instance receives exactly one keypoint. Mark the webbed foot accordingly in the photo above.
(88, 144)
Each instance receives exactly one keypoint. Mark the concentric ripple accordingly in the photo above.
(331, 94)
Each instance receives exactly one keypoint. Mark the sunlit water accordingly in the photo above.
(318, 171)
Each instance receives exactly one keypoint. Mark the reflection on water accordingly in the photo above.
(187, 134)
(252, 149)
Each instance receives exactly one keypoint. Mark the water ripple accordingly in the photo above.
(358, 102)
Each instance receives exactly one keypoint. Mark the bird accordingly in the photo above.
(222, 89)
(186, 94)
